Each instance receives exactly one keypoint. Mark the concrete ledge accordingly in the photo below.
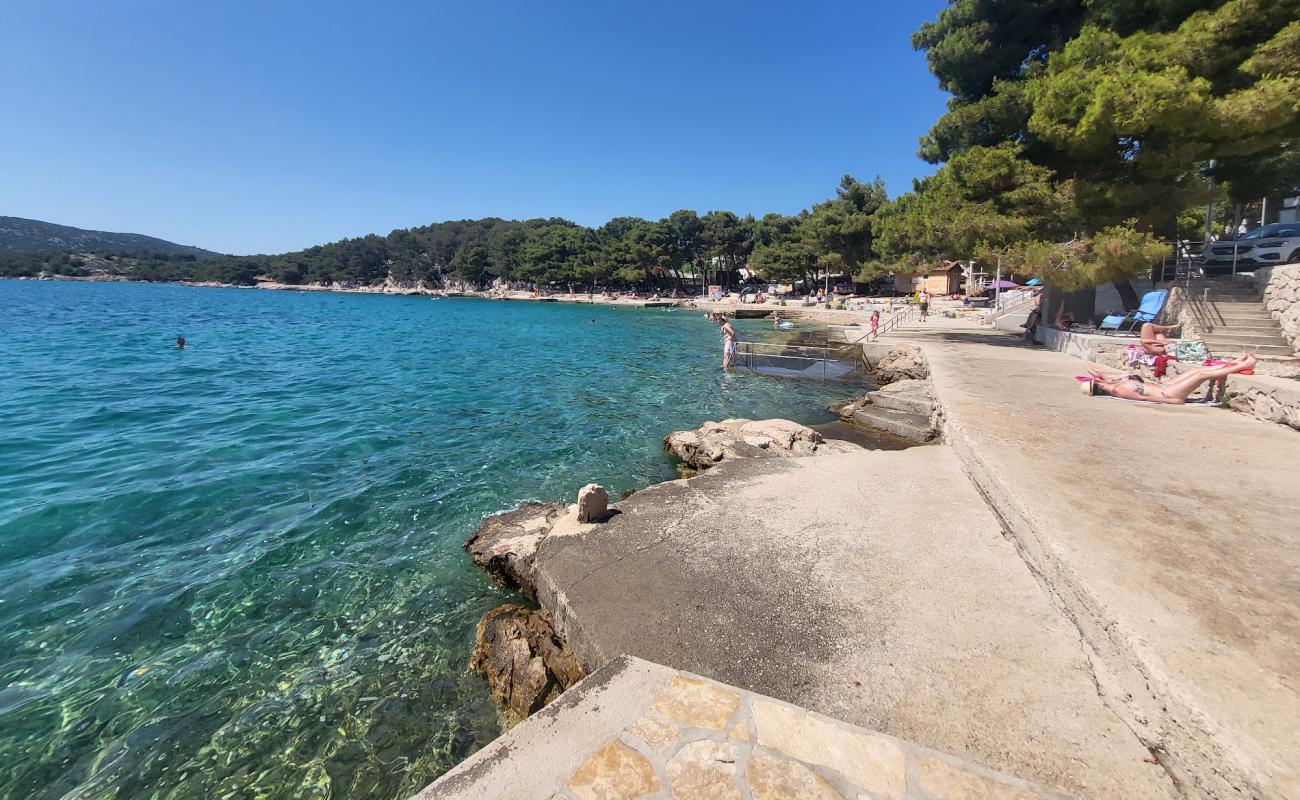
(536, 757)
(1086, 346)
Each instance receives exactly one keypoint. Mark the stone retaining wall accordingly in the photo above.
(1268, 398)
(1281, 289)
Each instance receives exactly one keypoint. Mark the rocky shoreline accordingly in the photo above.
(526, 653)
(525, 657)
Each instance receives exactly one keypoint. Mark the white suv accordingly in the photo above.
(1265, 246)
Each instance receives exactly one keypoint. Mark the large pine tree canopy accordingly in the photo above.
(1127, 107)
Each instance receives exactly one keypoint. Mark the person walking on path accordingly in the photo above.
(923, 300)
(875, 322)
(728, 341)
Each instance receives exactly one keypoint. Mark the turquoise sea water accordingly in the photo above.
(236, 570)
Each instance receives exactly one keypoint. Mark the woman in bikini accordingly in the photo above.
(1133, 387)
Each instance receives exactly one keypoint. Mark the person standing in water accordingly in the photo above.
(728, 342)
(180, 342)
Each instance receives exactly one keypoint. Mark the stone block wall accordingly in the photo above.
(1268, 398)
(1281, 290)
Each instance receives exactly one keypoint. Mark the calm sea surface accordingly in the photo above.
(236, 570)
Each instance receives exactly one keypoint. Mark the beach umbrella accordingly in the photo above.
(1002, 285)
(1034, 282)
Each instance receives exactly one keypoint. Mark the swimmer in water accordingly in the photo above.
(180, 342)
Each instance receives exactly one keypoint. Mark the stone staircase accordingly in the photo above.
(903, 409)
(1232, 319)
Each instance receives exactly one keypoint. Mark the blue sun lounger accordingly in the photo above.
(1147, 311)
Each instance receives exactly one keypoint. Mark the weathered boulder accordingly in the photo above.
(900, 363)
(504, 544)
(593, 503)
(741, 438)
(525, 663)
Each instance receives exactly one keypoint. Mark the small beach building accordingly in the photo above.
(950, 278)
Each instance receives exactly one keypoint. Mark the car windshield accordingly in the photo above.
(1285, 230)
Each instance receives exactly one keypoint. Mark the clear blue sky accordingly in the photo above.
(248, 127)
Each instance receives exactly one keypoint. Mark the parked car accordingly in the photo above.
(1278, 243)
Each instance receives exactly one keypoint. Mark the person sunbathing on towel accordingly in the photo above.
(1132, 387)
(1153, 338)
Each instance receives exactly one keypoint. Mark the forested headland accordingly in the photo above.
(1082, 138)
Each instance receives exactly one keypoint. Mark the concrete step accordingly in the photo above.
(1259, 313)
(905, 425)
(1236, 306)
(1227, 350)
(918, 403)
(1264, 319)
(1248, 326)
(1246, 339)
(1232, 298)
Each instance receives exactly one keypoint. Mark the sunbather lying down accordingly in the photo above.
(1132, 387)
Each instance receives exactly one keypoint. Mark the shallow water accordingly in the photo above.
(235, 570)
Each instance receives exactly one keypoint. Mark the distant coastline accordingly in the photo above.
(723, 305)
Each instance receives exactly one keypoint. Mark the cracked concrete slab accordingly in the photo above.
(873, 587)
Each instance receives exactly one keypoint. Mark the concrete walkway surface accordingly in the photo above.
(1098, 596)
(640, 730)
(873, 587)
(1168, 535)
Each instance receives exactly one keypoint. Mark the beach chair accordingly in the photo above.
(1147, 311)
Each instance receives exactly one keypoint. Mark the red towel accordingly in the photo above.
(1162, 362)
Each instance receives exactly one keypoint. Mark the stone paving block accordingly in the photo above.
(704, 770)
(774, 779)
(614, 772)
(872, 762)
(658, 735)
(697, 703)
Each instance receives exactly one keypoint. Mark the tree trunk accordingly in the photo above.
(1127, 294)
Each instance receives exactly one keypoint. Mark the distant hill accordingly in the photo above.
(18, 235)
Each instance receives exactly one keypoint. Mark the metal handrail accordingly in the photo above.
(825, 352)
(1013, 308)
(894, 320)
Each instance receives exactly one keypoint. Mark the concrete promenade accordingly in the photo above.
(1169, 536)
(1096, 596)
